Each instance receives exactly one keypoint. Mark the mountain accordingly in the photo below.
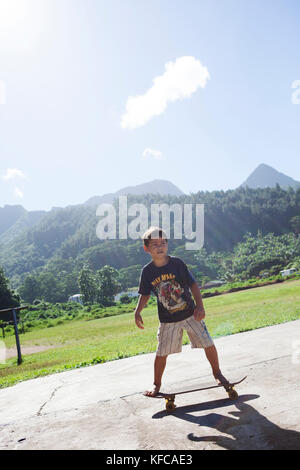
(60, 242)
(265, 176)
(161, 187)
(9, 215)
(15, 219)
(13, 227)
(29, 239)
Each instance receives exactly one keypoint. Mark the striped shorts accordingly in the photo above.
(169, 336)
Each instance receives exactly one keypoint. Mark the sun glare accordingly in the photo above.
(13, 13)
(20, 23)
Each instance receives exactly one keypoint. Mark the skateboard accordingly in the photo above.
(170, 397)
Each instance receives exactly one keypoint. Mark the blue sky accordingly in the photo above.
(68, 68)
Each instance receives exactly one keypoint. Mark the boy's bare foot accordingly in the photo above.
(221, 380)
(153, 391)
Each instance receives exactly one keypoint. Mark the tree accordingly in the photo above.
(129, 277)
(259, 253)
(125, 299)
(8, 298)
(49, 287)
(87, 284)
(30, 289)
(108, 285)
(295, 223)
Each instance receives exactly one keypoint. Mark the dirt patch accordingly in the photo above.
(12, 352)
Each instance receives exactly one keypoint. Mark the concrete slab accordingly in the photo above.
(102, 407)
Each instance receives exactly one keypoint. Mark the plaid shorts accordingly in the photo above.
(169, 336)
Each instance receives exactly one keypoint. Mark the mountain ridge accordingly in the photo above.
(266, 176)
(156, 186)
(16, 220)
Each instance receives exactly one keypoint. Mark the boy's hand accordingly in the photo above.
(139, 321)
(199, 313)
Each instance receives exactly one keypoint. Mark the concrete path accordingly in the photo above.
(102, 407)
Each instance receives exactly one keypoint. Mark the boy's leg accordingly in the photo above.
(169, 337)
(159, 367)
(212, 356)
(200, 338)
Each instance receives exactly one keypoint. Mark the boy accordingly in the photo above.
(170, 280)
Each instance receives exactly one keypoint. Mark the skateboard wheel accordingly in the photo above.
(232, 393)
(170, 405)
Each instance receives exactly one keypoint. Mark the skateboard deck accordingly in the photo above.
(170, 396)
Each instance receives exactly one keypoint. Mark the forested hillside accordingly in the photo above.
(64, 240)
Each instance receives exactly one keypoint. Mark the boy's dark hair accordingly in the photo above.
(153, 233)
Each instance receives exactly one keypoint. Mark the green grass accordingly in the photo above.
(80, 343)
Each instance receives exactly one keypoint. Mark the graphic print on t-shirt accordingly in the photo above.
(169, 293)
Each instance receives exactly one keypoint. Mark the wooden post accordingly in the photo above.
(17, 337)
(15, 322)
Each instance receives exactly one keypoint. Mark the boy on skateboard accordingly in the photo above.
(170, 280)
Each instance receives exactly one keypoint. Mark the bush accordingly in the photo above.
(275, 269)
(125, 299)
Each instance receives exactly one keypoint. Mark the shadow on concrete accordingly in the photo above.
(247, 429)
(182, 411)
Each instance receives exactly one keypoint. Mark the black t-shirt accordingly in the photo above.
(170, 284)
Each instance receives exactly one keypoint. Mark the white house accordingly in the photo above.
(129, 293)
(288, 272)
(75, 298)
(211, 284)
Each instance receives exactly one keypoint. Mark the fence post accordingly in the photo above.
(17, 337)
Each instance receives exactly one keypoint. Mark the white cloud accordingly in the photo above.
(12, 173)
(180, 80)
(156, 154)
(18, 193)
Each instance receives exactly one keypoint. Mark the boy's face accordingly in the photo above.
(157, 248)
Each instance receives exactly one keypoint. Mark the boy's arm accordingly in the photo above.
(142, 302)
(199, 312)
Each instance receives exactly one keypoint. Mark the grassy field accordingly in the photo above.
(80, 343)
